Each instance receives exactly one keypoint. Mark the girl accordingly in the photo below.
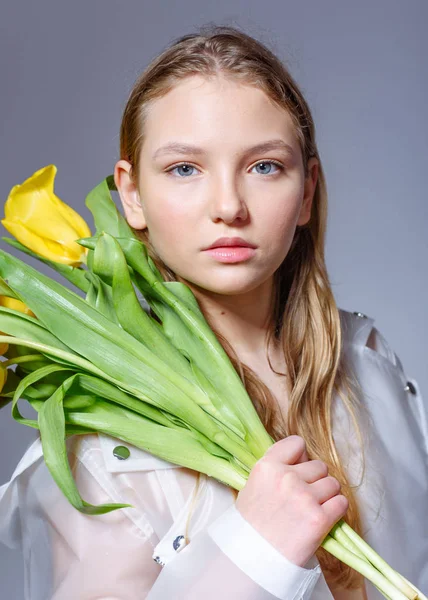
(220, 175)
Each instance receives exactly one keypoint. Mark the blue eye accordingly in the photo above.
(268, 163)
(181, 166)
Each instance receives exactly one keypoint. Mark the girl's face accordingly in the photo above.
(202, 178)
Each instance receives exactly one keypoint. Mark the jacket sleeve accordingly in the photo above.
(69, 555)
(232, 560)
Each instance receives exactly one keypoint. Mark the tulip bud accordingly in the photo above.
(42, 222)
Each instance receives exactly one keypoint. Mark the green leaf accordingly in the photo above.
(14, 322)
(136, 257)
(103, 389)
(22, 386)
(185, 294)
(114, 352)
(100, 297)
(82, 328)
(5, 290)
(110, 264)
(39, 391)
(53, 432)
(185, 326)
(74, 275)
(178, 446)
(106, 215)
(78, 401)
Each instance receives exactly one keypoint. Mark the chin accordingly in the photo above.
(229, 284)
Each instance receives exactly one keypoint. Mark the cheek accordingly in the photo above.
(171, 228)
(279, 221)
(167, 220)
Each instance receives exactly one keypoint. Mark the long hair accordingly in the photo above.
(305, 319)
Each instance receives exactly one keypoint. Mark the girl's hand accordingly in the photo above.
(291, 501)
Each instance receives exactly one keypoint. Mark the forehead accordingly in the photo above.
(204, 110)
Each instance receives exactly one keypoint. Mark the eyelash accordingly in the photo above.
(274, 162)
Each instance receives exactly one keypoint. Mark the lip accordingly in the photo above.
(226, 242)
(231, 254)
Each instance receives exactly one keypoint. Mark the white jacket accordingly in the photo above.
(143, 552)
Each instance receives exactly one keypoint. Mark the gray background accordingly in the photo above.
(65, 73)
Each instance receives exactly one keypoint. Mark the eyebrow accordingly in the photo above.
(181, 148)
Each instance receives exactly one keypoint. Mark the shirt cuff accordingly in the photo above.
(261, 561)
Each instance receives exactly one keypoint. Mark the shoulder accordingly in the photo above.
(392, 398)
(360, 333)
(356, 326)
(372, 358)
(393, 420)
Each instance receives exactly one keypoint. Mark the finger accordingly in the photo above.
(335, 508)
(311, 470)
(291, 450)
(325, 488)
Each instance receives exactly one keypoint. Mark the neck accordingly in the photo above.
(242, 319)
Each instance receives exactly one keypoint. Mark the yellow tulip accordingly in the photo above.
(42, 222)
(16, 305)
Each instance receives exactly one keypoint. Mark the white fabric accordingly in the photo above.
(283, 579)
(70, 556)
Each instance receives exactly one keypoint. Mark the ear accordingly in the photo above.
(129, 195)
(310, 186)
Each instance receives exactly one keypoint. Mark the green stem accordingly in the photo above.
(421, 596)
(340, 536)
(20, 359)
(378, 561)
(383, 584)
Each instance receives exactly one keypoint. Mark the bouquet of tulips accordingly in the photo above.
(95, 360)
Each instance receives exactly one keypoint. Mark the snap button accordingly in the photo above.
(179, 543)
(410, 388)
(121, 452)
(359, 314)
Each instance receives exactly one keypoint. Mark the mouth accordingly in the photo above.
(231, 250)
(233, 242)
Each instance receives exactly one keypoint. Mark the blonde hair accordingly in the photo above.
(306, 319)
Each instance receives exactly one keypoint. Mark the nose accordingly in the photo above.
(227, 204)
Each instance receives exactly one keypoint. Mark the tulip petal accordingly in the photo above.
(34, 206)
(46, 248)
(73, 218)
(53, 227)
(24, 197)
(40, 186)
(38, 211)
(45, 179)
